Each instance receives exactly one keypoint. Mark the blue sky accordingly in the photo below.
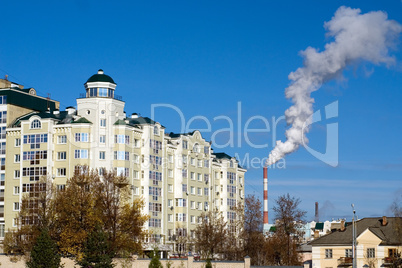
(206, 56)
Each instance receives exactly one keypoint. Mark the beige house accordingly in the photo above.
(378, 242)
(178, 175)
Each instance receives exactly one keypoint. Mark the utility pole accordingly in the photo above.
(354, 237)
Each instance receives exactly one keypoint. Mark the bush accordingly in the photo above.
(155, 262)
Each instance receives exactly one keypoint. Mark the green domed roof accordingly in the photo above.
(100, 77)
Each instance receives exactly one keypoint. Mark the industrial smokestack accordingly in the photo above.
(316, 212)
(265, 195)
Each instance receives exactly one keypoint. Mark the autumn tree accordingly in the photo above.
(282, 246)
(252, 234)
(211, 234)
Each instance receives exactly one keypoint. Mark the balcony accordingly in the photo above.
(345, 261)
(389, 261)
(116, 97)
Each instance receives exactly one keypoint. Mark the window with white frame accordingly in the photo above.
(81, 137)
(192, 204)
(192, 161)
(156, 130)
(170, 173)
(348, 253)
(122, 139)
(136, 174)
(199, 176)
(206, 163)
(196, 148)
(136, 158)
(17, 174)
(192, 190)
(61, 155)
(181, 217)
(62, 139)
(81, 154)
(61, 172)
(16, 206)
(206, 149)
(102, 155)
(185, 145)
(17, 158)
(328, 253)
(192, 219)
(170, 203)
(17, 142)
(121, 155)
(16, 190)
(102, 139)
(35, 124)
(199, 163)
(102, 123)
(192, 175)
(170, 188)
(199, 191)
(170, 217)
(170, 158)
(136, 143)
(136, 190)
(122, 171)
(371, 253)
(199, 205)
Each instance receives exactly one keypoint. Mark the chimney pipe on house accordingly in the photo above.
(316, 218)
(384, 221)
(343, 225)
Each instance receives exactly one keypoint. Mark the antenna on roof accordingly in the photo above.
(6, 77)
(48, 103)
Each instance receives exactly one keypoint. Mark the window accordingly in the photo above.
(199, 191)
(3, 117)
(192, 190)
(184, 188)
(206, 163)
(184, 159)
(122, 139)
(136, 190)
(136, 158)
(371, 253)
(102, 139)
(16, 206)
(199, 177)
(156, 130)
(102, 155)
(61, 155)
(170, 158)
(62, 139)
(17, 158)
(102, 92)
(121, 155)
(181, 217)
(83, 154)
(181, 202)
(17, 142)
(3, 132)
(122, 171)
(16, 189)
(81, 137)
(206, 191)
(3, 148)
(3, 100)
(196, 148)
(206, 150)
(199, 205)
(136, 174)
(170, 188)
(348, 253)
(170, 203)
(192, 203)
(34, 173)
(36, 124)
(170, 173)
(184, 173)
(61, 172)
(192, 219)
(192, 161)
(185, 145)
(199, 163)
(60, 187)
(136, 143)
(328, 253)
(17, 174)
(170, 217)
(392, 253)
(206, 178)
(102, 123)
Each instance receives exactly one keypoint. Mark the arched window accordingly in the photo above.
(36, 124)
(196, 148)
(156, 130)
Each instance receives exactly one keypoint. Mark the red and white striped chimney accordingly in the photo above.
(265, 195)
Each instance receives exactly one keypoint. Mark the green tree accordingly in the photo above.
(44, 253)
(97, 250)
(155, 262)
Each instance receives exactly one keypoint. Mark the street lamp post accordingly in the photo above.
(354, 237)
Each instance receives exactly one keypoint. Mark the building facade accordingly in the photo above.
(178, 175)
(379, 244)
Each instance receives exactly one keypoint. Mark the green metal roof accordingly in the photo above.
(82, 120)
(101, 78)
(19, 97)
(222, 156)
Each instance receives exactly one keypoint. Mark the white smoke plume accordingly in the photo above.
(356, 37)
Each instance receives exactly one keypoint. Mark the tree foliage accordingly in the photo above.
(282, 246)
(211, 234)
(155, 262)
(70, 215)
(44, 252)
(97, 250)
